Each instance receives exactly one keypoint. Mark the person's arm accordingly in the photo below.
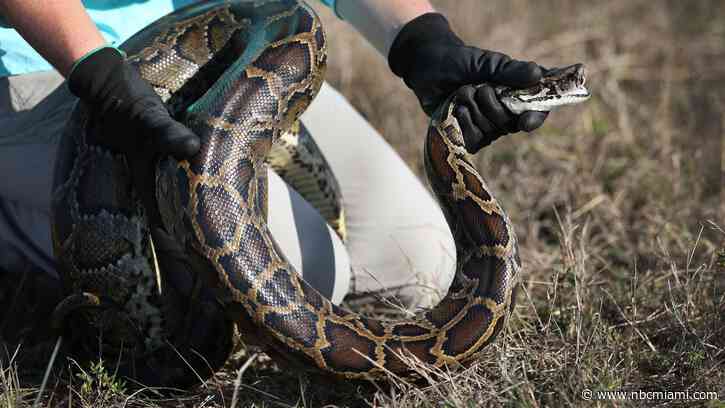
(64, 34)
(379, 21)
(60, 30)
(434, 62)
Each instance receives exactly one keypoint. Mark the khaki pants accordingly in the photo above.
(398, 240)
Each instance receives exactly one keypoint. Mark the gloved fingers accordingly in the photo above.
(474, 136)
(466, 96)
(177, 140)
(167, 135)
(531, 120)
(517, 74)
(494, 110)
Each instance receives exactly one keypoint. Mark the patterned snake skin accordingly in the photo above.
(297, 159)
(239, 73)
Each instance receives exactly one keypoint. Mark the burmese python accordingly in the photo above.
(239, 73)
(297, 159)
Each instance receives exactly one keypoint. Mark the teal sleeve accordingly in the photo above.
(332, 4)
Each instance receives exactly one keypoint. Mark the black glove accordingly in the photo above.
(121, 99)
(435, 63)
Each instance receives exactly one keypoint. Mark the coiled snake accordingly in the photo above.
(239, 73)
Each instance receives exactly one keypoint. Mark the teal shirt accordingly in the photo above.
(116, 19)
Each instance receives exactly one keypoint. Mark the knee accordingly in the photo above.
(432, 259)
(414, 264)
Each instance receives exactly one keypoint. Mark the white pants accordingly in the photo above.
(398, 241)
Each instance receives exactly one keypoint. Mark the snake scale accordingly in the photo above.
(239, 74)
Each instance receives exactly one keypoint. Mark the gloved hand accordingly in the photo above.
(121, 99)
(435, 63)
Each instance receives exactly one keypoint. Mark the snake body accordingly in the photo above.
(239, 73)
(297, 159)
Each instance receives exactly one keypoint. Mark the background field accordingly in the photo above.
(619, 205)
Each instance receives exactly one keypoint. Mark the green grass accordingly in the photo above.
(618, 204)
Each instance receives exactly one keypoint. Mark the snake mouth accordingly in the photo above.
(558, 87)
(544, 103)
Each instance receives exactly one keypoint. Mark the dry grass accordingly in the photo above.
(619, 205)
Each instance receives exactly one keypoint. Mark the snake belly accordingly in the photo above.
(239, 74)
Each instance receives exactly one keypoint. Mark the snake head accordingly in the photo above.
(557, 87)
